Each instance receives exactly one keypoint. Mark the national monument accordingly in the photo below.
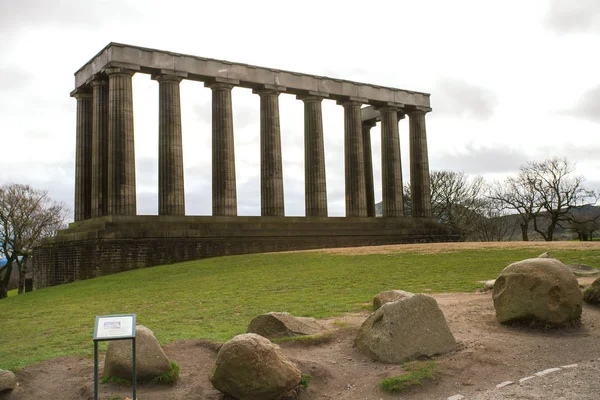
(108, 236)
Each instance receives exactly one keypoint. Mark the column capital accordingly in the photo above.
(307, 98)
(218, 85)
(81, 93)
(389, 106)
(370, 123)
(352, 101)
(418, 110)
(98, 81)
(119, 71)
(215, 81)
(269, 90)
(167, 78)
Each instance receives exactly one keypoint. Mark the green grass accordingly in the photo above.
(416, 373)
(216, 298)
(169, 377)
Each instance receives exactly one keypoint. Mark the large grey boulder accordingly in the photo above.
(537, 290)
(405, 330)
(389, 296)
(8, 380)
(151, 360)
(281, 324)
(250, 367)
(592, 294)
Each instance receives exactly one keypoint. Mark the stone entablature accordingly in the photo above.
(152, 61)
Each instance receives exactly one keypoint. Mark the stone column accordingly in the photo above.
(354, 162)
(171, 194)
(121, 152)
(315, 182)
(271, 171)
(224, 194)
(419, 164)
(99, 146)
(369, 187)
(83, 155)
(391, 167)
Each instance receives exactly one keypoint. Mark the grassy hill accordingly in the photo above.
(216, 298)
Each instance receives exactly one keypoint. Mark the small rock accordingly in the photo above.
(8, 380)
(282, 324)
(489, 285)
(456, 397)
(250, 367)
(151, 360)
(544, 255)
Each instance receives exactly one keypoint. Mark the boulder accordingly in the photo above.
(389, 296)
(281, 324)
(537, 290)
(592, 294)
(151, 360)
(405, 330)
(250, 367)
(8, 380)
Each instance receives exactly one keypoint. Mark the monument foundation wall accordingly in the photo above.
(112, 244)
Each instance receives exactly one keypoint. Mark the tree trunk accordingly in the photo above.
(21, 281)
(4, 281)
(524, 232)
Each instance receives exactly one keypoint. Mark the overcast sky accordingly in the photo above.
(510, 81)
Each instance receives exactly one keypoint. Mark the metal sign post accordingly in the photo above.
(114, 327)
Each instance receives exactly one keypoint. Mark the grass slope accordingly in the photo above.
(216, 298)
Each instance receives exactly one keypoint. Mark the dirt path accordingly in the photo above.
(489, 354)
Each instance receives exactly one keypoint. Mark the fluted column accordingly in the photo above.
(224, 194)
(391, 167)
(271, 171)
(99, 146)
(354, 162)
(419, 165)
(171, 194)
(368, 156)
(315, 182)
(121, 152)
(83, 155)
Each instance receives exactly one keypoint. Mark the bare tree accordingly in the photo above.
(26, 216)
(518, 194)
(493, 223)
(584, 221)
(557, 192)
(456, 200)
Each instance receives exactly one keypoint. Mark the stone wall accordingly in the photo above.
(113, 244)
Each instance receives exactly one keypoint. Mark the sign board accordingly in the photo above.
(111, 327)
(114, 327)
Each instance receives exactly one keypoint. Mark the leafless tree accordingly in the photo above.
(26, 216)
(558, 191)
(584, 221)
(456, 199)
(518, 194)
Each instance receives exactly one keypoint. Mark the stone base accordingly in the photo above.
(111, 244)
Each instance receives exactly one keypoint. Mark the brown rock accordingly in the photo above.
(8, 380)
(537, 289)
(281, 324)
(406, 330)
(592, 294)
(151, 360)
(250, 367)
(389, 296)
